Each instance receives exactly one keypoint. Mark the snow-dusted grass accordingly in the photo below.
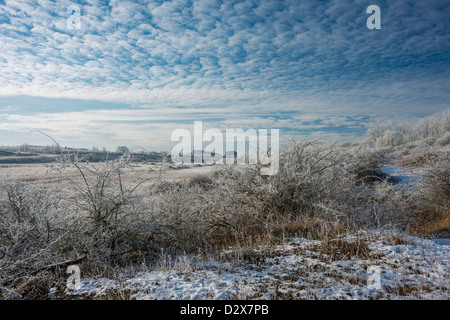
(413, 268)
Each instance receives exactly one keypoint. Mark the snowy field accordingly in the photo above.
(300, 269)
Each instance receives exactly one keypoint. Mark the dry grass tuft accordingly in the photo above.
(340, 249)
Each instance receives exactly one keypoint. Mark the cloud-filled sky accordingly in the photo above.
(137, 70)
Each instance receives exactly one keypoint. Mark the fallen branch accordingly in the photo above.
(7, 254)
(58, 265)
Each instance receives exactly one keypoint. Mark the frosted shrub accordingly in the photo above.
(433, 191)
(444, 140)
(434, 126)
(365, 163)
(313, 182)
(196, 217)
(31, 236)
(111, 217)
(391, 206)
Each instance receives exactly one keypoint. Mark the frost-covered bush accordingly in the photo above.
(365, 164)
(239, 203)
(389, 206)
(30, 237)
(308, 172)
(198, 216)
(315, 182)
(433, 191)
(111, 217)
(432, 127)
(443, 141)
(97, 216)
(436, 125)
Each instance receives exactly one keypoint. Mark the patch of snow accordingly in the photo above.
(401, 175)
(442, 242)
(297, 270)
(92, 287)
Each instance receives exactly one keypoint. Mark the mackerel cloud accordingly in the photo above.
(288, 63)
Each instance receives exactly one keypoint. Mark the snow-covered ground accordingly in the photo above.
(401, 175)
(413, 268)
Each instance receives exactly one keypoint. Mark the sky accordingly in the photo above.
(135, 71)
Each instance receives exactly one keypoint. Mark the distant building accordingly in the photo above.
(122, 149)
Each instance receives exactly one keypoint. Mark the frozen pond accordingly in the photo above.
(400, 175)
